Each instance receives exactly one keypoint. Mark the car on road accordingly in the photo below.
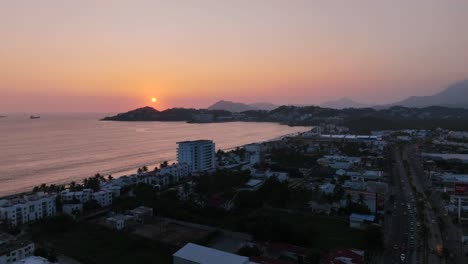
(396, 247)
(402, 257)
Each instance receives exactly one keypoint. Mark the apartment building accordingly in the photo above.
(27, 209)
(198, 154)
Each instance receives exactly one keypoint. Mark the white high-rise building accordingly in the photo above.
(198, 154)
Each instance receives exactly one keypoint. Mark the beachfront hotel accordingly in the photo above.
(198, 154)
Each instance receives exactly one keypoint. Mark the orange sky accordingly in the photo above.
(110, 56)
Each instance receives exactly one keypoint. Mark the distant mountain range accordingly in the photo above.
(344, 103)
(456, 95)
(241, 107)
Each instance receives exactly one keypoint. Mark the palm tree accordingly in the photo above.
(145, 168)
(73, 185)
(110, 178)
(164, 164)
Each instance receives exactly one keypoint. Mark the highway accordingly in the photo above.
(402, 240)
(443, 230)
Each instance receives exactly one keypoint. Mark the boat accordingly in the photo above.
(34, 117)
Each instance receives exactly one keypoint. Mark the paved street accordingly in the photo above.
(443, 229)
(401, 236)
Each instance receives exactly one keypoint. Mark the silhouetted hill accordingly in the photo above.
(230, 106)
(357, 119)
(264, 106)
(241, 107)
(173, 114)
(456, 95)
(343, 103)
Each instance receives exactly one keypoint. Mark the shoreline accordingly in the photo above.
(124, 173)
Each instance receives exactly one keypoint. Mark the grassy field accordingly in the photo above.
(95, 244)
(322, 232)
(332, 233)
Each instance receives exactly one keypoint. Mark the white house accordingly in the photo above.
(27, 209)
(196, 254)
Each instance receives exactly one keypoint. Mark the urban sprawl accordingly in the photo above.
(323, 196)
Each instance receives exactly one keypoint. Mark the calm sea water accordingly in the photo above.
(59, 148)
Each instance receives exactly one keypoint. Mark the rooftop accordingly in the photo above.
(206, 255)
(196, 141)
(362, 217)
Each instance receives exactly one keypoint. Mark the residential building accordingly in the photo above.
(12, 249)
(254, 184)
(33, 260)
(196, 254)
(120, 222)
(142, 214)
(115, 189)
(359, 221)
(80, 196)
(103, 198)
(281, 176)
(199, 155)
(177, 170)
(71, 209)
(367, 198)
(27, 209)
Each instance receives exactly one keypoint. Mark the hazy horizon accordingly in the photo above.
(95, 56)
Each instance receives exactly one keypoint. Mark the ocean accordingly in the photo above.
(59, 148)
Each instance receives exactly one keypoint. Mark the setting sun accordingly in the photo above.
(154, 99)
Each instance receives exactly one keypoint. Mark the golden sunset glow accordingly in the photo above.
(94, 56)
